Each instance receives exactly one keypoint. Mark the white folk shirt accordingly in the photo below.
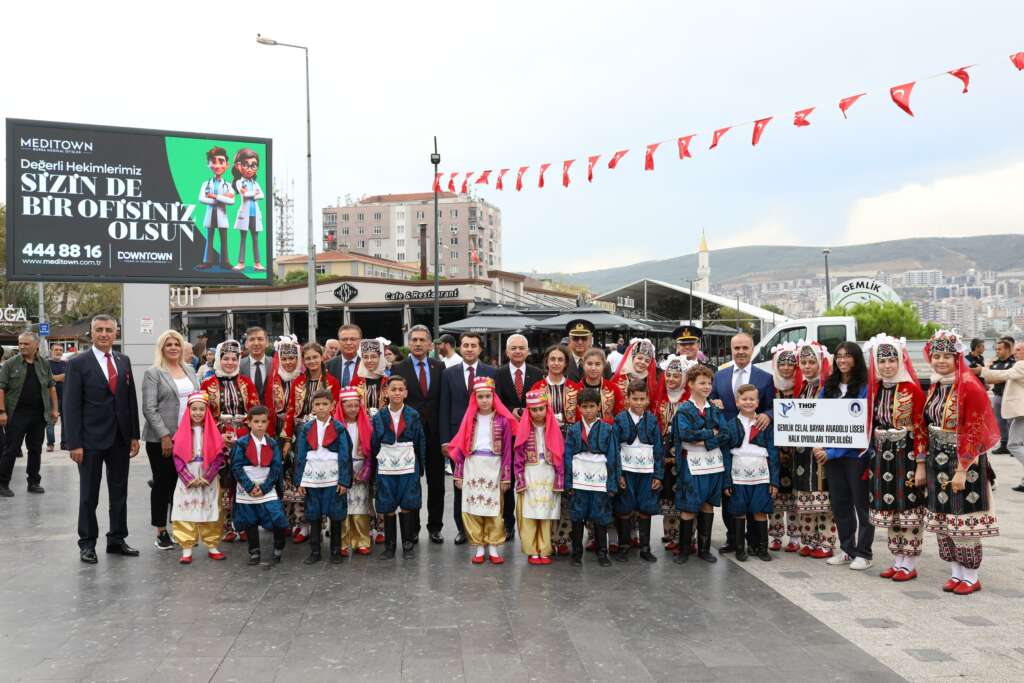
(700, 460)
(538, 437)
(749, 461)
(637, 456)
(321, 464)
(395, 419)
(482, 437)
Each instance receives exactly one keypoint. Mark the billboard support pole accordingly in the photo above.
(44, 348)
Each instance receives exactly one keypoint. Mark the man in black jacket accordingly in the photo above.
(512, 381)
(423, 378)
(101, 415)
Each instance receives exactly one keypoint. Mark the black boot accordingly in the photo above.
(390, 537)
(279, 538)
(685, 534)
(336, 556)
(761, 530)
(408, 535)
(315, 537)
(253, 534)
(739, 525)
(601, 544)
(577, 544)
(704, 522)
(622, 524)
(645, 540)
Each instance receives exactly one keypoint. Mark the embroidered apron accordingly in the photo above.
(750, 466)
(481, 484)
(540, 500)
(637, 458)
(359, 492)
(257, 475)
(702, 461)
(321, 470)
(590, 472)
(199, 503)
(395, 459)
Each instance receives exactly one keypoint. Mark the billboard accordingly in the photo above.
(99, 203)
(864, 290)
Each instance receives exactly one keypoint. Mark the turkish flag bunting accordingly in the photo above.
(614, 161)
(484, 178)
(962, 74)
(465, 182)
(1018, 60)
(718, 136)
(684, 146)
(565, 171)
(649, 156)
(451, 182)
(591, 161)
(800, 118)
(519, 177)
(498, 184)
(847, 102)
(759, 127)
(901, 96)
(543, 169)
(437, 182)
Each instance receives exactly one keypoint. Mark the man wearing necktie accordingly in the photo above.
(723, 393)
(423, 378)
(101, 416)
(345, 365)
(257, 365)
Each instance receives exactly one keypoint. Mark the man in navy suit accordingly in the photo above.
(455, 384)
(423, 378)
(723, 390)
(101, 416)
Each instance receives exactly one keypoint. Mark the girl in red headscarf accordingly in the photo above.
(352, 413)
(198, 453)
(961, 431)
(538, 465)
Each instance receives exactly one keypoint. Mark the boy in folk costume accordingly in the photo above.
(674, 393)
(591, 475)
(752, 476)
(323, 471)
(198, 453)
(810, 488)
(784, 517)
(897, 467)
(961, 431)
(481, 453)
(539, 475)
(356, 529)
(642, 460)
(217, 195)
(400, 448)
(700, 430)
(257, 466)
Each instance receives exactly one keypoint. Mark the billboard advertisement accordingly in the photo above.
(99, 203)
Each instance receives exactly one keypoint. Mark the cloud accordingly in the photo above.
(769, 231)
(983, 203)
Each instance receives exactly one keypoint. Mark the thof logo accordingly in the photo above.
(786, 407)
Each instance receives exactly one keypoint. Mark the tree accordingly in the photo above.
(773, 308)
(17, 294)
(898, 320)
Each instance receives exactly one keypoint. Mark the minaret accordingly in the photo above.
(703, 267)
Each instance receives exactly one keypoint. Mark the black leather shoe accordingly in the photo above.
(36, 488)
(88, 555)
(436, 537)
(460, 539)
(727, 548)
(510, 534)
(1019, 488)
(122, 549)
(6, 492)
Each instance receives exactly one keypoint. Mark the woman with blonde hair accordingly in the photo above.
(165, 390)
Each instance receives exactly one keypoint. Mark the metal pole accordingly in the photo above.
(435, 159)
(691, 298)
(828, 286)
(44, 348)
(311, 263)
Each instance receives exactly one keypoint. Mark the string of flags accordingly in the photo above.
(900, 95)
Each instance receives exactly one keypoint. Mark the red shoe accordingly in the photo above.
(805, 551)
(185, 560)
(230, 537)
(362, 551)
(478, 559)
(676, 551)
(496, 559)
(792, 547)
(821, 554)
(299, 537)
(563, 549)
(216, 556)
(673, 546)
(545, 560)
(964, 588)
(591, 546)
(534, 560)
(903, 575)
(775, 545)
(951, 585)
(344, 552)
(613, 548)
(889, 573)
(380, 539)
(242, 536)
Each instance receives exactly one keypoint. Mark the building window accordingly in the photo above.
(400, 244)
(420, 214)
(321, 269)
(401, 214)
(377, 255)
(361, 244)
(344, 216)
(376, 244)
(359, 216)
(440, 269)
(454, 229)
(377, 230)
(330, 219)
(344, 245)
(455, 241)
(454, 271)
(400, 256)
(361, 230)
(454, 255)
(376, 215)
(400, 229)
(454, 213)
(344, 230)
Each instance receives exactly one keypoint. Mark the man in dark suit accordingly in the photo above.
(455, 384)
(345, 365)
(422, 376)
(101, 415)
(581, 338)
(511, 383)
(723, 391)
(258, 366)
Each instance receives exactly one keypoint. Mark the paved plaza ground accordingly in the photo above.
(438, 618)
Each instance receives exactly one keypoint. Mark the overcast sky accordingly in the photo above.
(510, 84)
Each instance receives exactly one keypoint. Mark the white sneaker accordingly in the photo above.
(860, 564)
(836, 560)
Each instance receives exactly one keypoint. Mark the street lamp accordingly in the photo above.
(435, 159)
(828, 287)
(311, 262)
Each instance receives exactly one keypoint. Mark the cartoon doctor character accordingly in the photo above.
(249, 219)
(216, 193)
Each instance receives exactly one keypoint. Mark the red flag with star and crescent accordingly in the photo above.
(847, 102)
(498, 185)
(718, 136)
(649, 156)
(484, 178)
(519, 177)
(543, 169)
(591, 162)
(451, 182)
(800, 117)
(684, 146)
(759, 127)
(616, 158)
(565, 171)
(1018, 60)
(901, 96)
(962, 75)
(437, 182)
(465, 182)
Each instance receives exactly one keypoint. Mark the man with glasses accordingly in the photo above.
(345, 365)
